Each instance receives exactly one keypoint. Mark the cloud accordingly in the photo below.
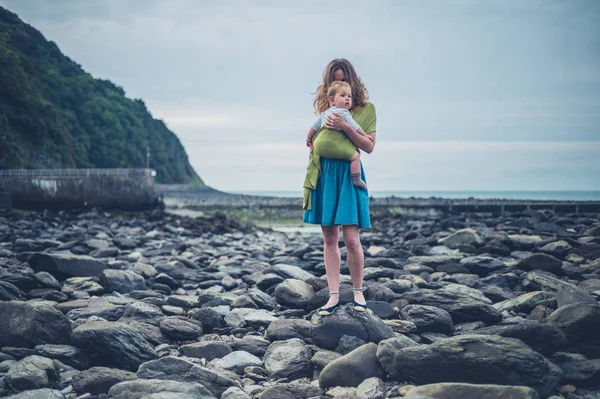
(468, 94)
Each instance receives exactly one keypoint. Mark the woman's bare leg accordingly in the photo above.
(355, 259)
(332, 259)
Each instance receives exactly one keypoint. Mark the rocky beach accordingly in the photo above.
(152, 305)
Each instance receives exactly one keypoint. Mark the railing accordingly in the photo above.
(70, 172)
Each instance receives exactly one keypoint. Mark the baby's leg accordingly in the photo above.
(355, 171)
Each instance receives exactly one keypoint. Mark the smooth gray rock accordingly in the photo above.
(98, 380)
(237, 361)
(44, 393)
(67, 354)
(371, 388)
(461, 305)
(26, 324)
(178, 369)
(480, 391)
(543, 338)
(326, 331)
(579, 321)
(323, 357)
(32, 372)
(235, 393)
(208, 350)
(581, 373)
(428, 318)
(352, 369)
(291, 271)
(288, 359)
(294, 293)
(282, 329)
(478, 359)
(292, 391)
(181, 328)
(462, 238)
(67, 265)
(482, 265)
(159, 389)
(540, 262)
(525, 303)
(388, 348)
(113, 344)
(122, 281)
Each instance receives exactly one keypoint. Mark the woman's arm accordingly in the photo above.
(309, 136)
(365, 142)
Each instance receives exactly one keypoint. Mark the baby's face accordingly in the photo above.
(343, 99)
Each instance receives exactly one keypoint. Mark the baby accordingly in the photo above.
(340, 101)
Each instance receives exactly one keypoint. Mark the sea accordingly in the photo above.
(590, 195)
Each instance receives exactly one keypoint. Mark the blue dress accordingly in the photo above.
(335, 200)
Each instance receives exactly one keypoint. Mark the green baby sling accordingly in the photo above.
(334, 144)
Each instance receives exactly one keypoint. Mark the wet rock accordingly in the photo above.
(350, 370)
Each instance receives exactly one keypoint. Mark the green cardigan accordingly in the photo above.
(334, 144)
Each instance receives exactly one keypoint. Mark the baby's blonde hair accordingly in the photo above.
(336, 86)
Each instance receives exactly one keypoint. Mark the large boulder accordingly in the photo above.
(541, 262)
(122, 281)
(27, 324)
(32, 372)
(113, 344)
(294, 293)
(462, 304)
(159, 389)
(182, 370)
(543, 338)
(290, 359)
(475, 359)
(66, 265)
(452, 390)
(353, 368)
(428, 318)
(327, 331)
(579, 321)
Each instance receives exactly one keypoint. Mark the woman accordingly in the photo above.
(333, 200)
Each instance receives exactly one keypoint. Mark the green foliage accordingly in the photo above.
(53, 114)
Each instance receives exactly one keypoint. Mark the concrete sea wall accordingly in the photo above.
(79, 188)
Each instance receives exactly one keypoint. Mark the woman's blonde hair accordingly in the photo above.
(360, 95)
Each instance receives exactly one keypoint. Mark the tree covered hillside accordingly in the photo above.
(53, 114)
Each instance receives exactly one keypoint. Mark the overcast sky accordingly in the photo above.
(470, 95)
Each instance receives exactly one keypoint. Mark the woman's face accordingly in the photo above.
(338, 75)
